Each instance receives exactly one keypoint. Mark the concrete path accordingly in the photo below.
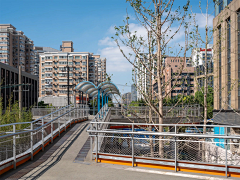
(61, 165)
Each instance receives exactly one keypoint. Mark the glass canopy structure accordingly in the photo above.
(102, 91)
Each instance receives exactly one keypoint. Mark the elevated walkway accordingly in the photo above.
(80, 156)
(60, 163)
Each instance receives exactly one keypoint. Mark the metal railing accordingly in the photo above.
(15, 144)
(168, 111)
(142, 143)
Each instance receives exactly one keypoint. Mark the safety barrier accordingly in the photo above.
(19, 146)
(140, 144)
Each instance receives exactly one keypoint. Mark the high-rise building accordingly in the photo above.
(143, 77)
(67, 46)
(16, 48)
(177, 72)
(126, 98)
(226, 26)
(100, 64)
(37, 51)
(133, 93)
(83, 66)
(198, 61)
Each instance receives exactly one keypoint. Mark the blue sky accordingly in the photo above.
(88, 23)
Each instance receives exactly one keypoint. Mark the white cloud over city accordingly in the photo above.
(115, 60)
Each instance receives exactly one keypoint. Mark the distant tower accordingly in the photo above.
(67, 46)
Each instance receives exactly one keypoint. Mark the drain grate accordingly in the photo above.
(84, 151)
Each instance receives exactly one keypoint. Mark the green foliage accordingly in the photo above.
(199, 96)
(43, 105)
(138, 103)
(14, 115)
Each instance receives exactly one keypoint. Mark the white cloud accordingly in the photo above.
(115, 60)
(107, 41)
(201, 20)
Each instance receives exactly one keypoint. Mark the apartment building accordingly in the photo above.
(198, 61)
(126, 98)
(67, 46)
(16, 48)
(53, 71)
(179, 72)
(100, 64)
(142, 76)
(133, 93)
(37, 51)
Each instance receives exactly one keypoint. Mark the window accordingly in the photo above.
(77, 57)
(48, 63)
(48, 57)
(55, 57)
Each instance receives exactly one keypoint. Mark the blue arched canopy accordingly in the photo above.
(104, 89)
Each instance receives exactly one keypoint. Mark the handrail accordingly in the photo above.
(29, 122)
(148, 124)
(39, 134)
(164, 134)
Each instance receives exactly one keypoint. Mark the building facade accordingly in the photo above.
(100, 64)
(126, 98)
(133, 93)
(10, 87)
(198, 61)
(178, 72)
(227, 55)
(16, 48)
(37, 51)
(53, 74)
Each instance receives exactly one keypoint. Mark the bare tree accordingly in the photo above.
(148, 51)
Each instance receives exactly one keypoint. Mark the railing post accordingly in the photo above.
(91, 143)
(31, 141)
(132, 146)
(42, 135)
(51, 132)
(97, 145)
(14, 148)
(65, 119)
(226, 162)
(59, 127)
(175, 149)
(69, 117)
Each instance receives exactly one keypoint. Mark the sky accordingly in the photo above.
(88, 23)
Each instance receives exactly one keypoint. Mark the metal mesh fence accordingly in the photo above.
(192, 149)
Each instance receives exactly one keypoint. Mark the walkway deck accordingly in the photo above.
(58, 163)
